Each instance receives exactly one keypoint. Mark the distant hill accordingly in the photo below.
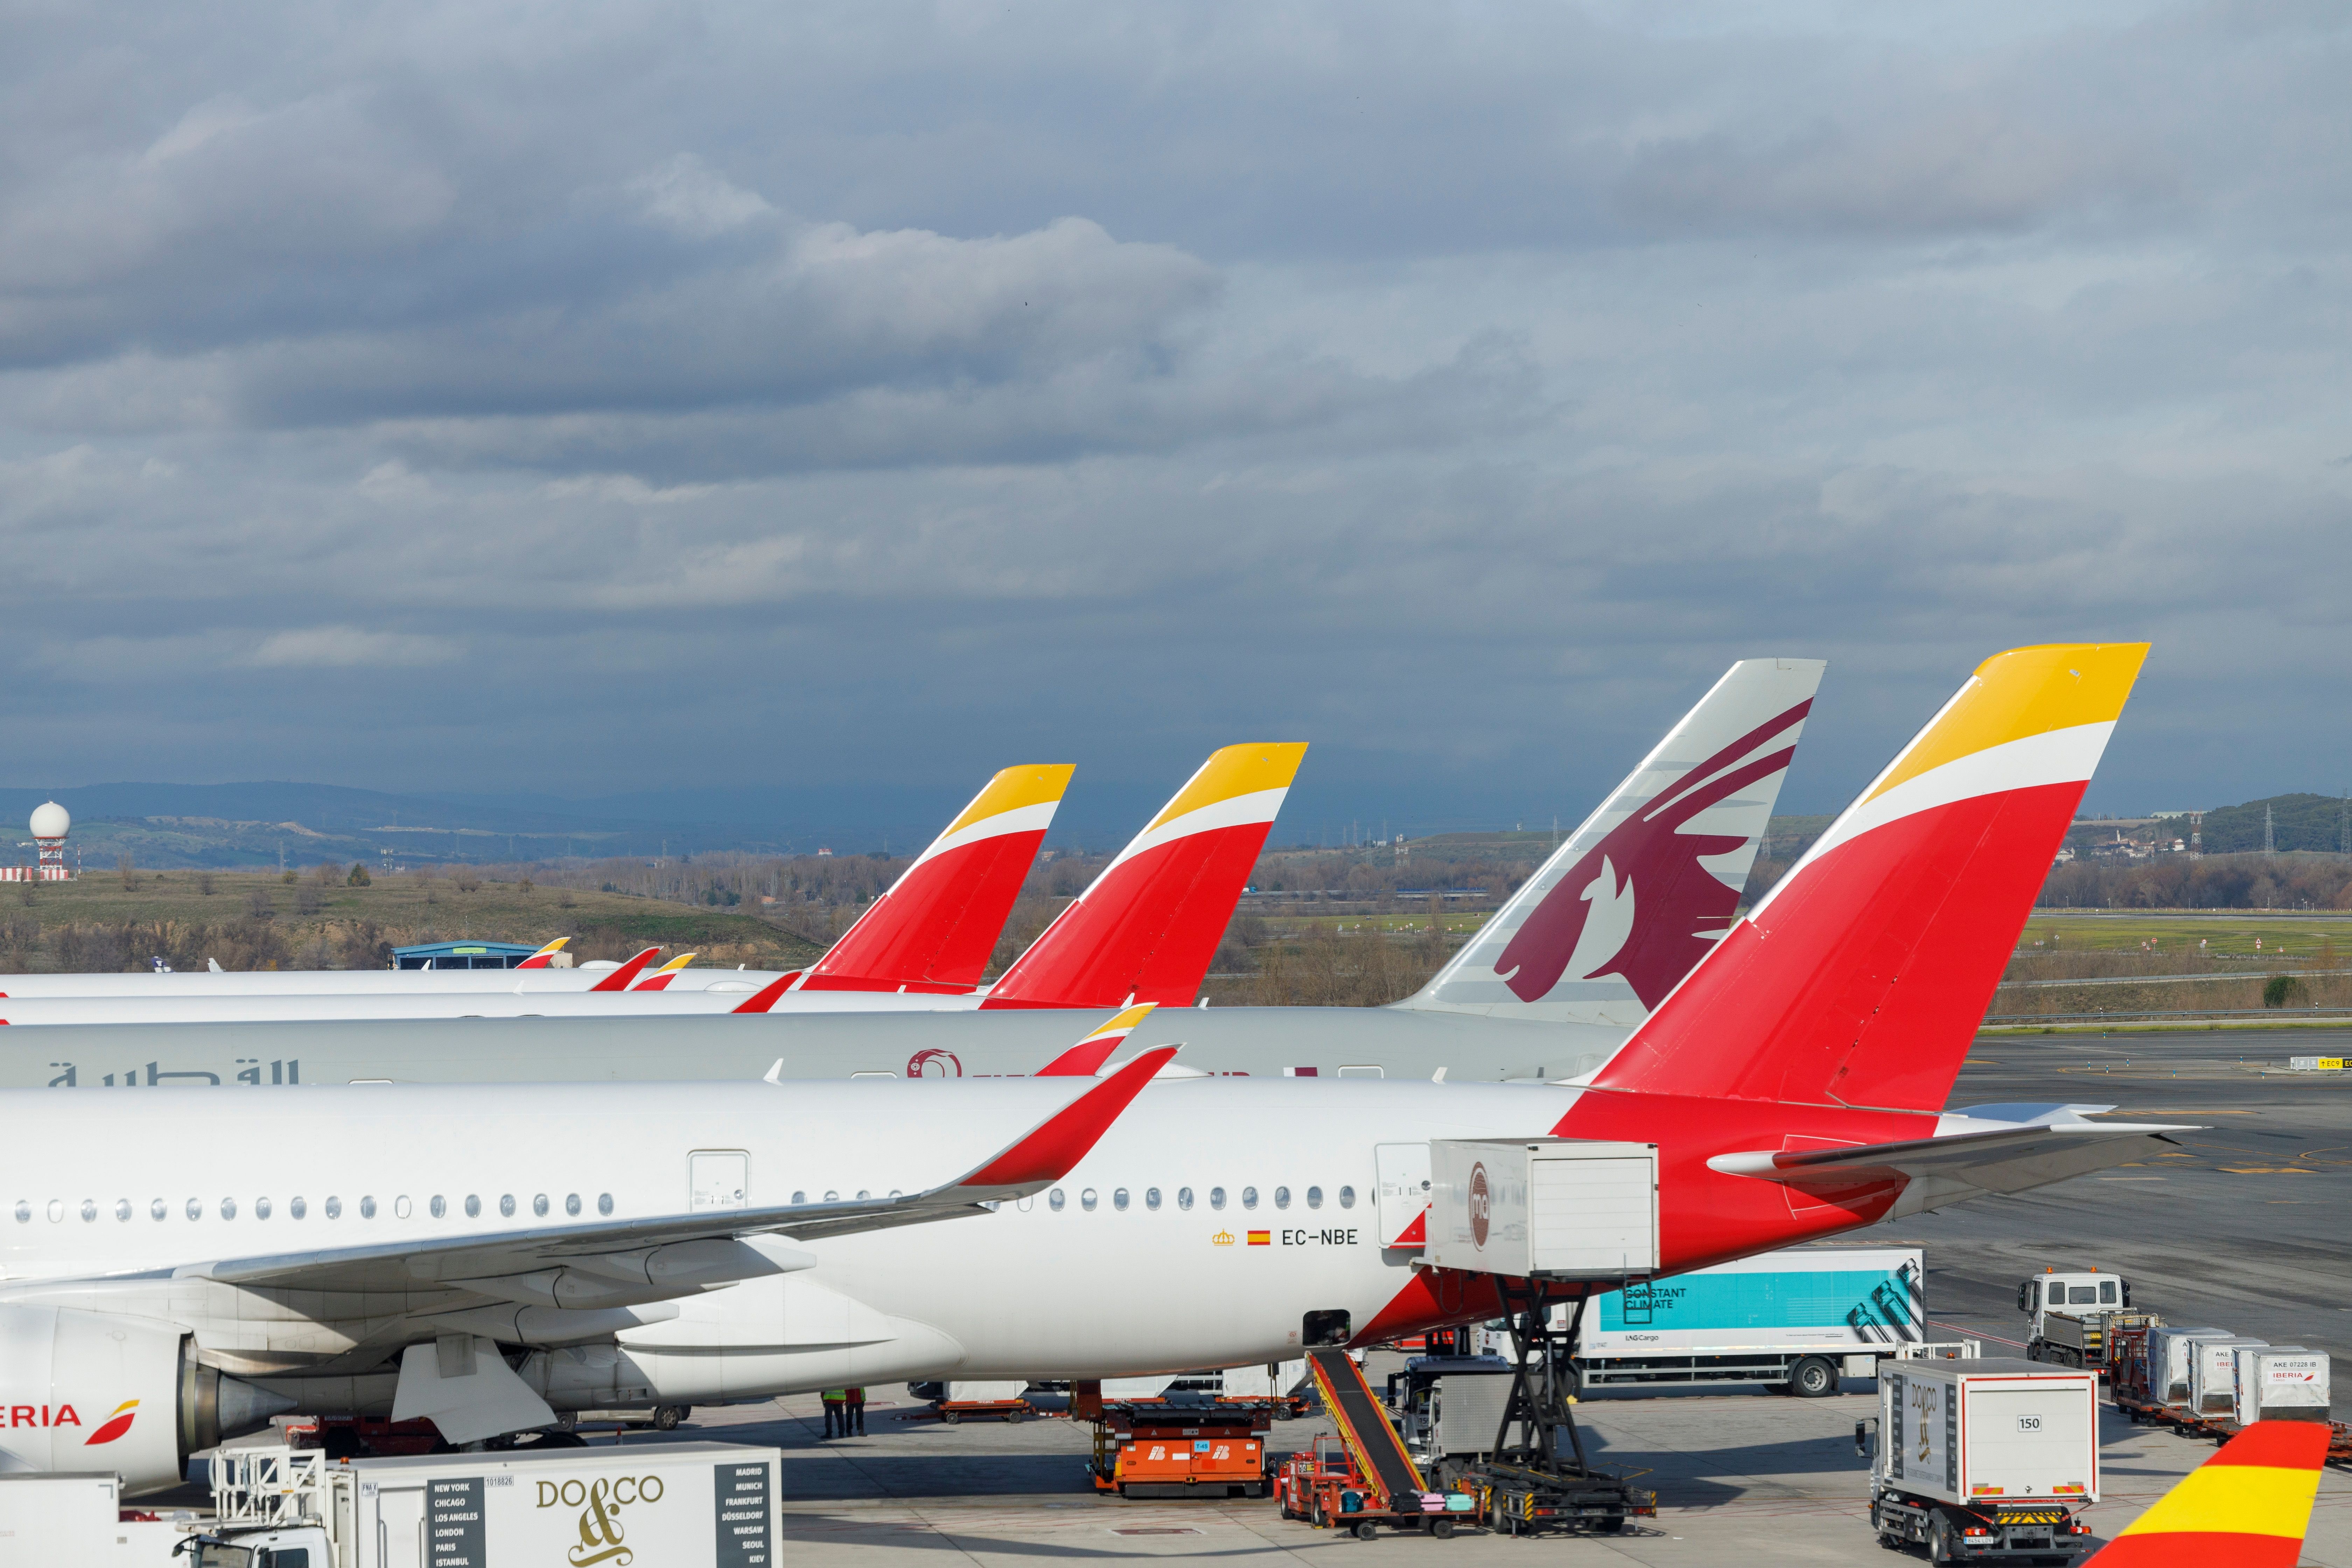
(228, 825)
(2301, 822)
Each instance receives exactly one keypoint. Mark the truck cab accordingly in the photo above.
(2082, 1292)
(300, 1546)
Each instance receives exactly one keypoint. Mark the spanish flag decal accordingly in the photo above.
(1261, 1239)
(114, 1426)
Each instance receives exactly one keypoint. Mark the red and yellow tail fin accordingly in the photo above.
(2246, 1507)
(544, 957)
(1085, 1058)
(1147, 929)
(938, 925)
(1861, 978)
(660, 978)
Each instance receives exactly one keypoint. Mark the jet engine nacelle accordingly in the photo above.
(89, 1391)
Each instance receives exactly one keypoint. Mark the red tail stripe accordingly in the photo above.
(619, 979)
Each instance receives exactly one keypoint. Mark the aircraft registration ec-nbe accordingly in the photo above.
(481, 1256)
(1547, 988)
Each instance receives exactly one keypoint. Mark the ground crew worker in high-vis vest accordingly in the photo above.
(836, 1412)
(854, 1416)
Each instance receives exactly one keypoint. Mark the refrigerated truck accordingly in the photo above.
(652, 1503)
(1799, 1319)
(1983, 1460)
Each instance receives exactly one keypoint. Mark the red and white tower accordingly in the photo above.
(51, 824)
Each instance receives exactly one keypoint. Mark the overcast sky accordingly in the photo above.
(587, 399)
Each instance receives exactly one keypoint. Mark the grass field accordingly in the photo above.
(260, 914)
(2293, 934)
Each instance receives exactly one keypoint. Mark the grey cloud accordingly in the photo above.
(878, 392)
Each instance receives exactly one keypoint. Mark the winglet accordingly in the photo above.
(660, 978)
(774, 1074)
(619, 979)
(1047, 1151)
(763, 999)
(545, 956)
(2249, 1506)
(1085, 1059)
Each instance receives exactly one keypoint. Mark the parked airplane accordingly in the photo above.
(1671, 872)
(940, 919)
(462, 1254)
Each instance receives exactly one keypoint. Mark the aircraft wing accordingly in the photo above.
(1956, 1166)
(614, 1262)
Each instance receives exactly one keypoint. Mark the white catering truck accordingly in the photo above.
(286, 1508)
(1797, 1319)
(1983, 1460)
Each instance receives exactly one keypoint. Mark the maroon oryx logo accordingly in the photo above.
(1644, 879)
(934, 1063)
(1482, 1206)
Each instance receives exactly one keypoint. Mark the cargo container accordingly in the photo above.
(2279, 1383)
(2213, 1377)
(1557, 1209)
(1799, 1319)
(2171, 1363)
(74, 1520)
(1989, 1459)
(670, 1502)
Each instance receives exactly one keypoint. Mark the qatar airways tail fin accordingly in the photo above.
(937, 926)
(1861, 978)
(2249, 1506)
(1647, 885)
(1147, 929)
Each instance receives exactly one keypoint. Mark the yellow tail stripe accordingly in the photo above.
(2025, 691)
(1233, 771)
(1123, 1022)
(2234, 1499)
(1032, 783)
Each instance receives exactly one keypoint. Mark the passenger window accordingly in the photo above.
(297, 1207)
(1152, 1198)
(2106, 1292)
(505, 1205)
(334, 1208)
(1282, 1197)
(1249, 1197)
(1118, 1200)
(473, 1205)
(1086, 1200)
(260, 1209)
(367, 1207)
(1315, 1197)
(1216, 1197)
(1054, 1200)
(1183, 1198)
(1347, 1197)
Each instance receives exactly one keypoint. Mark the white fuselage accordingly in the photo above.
(528, 995)
(1034, 1290)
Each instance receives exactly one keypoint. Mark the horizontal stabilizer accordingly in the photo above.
(1960, 1165)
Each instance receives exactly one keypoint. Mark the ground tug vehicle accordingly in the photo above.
(1983, 1460)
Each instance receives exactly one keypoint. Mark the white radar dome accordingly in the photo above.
(51, 820)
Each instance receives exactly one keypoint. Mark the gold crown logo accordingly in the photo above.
(1222, 1238)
